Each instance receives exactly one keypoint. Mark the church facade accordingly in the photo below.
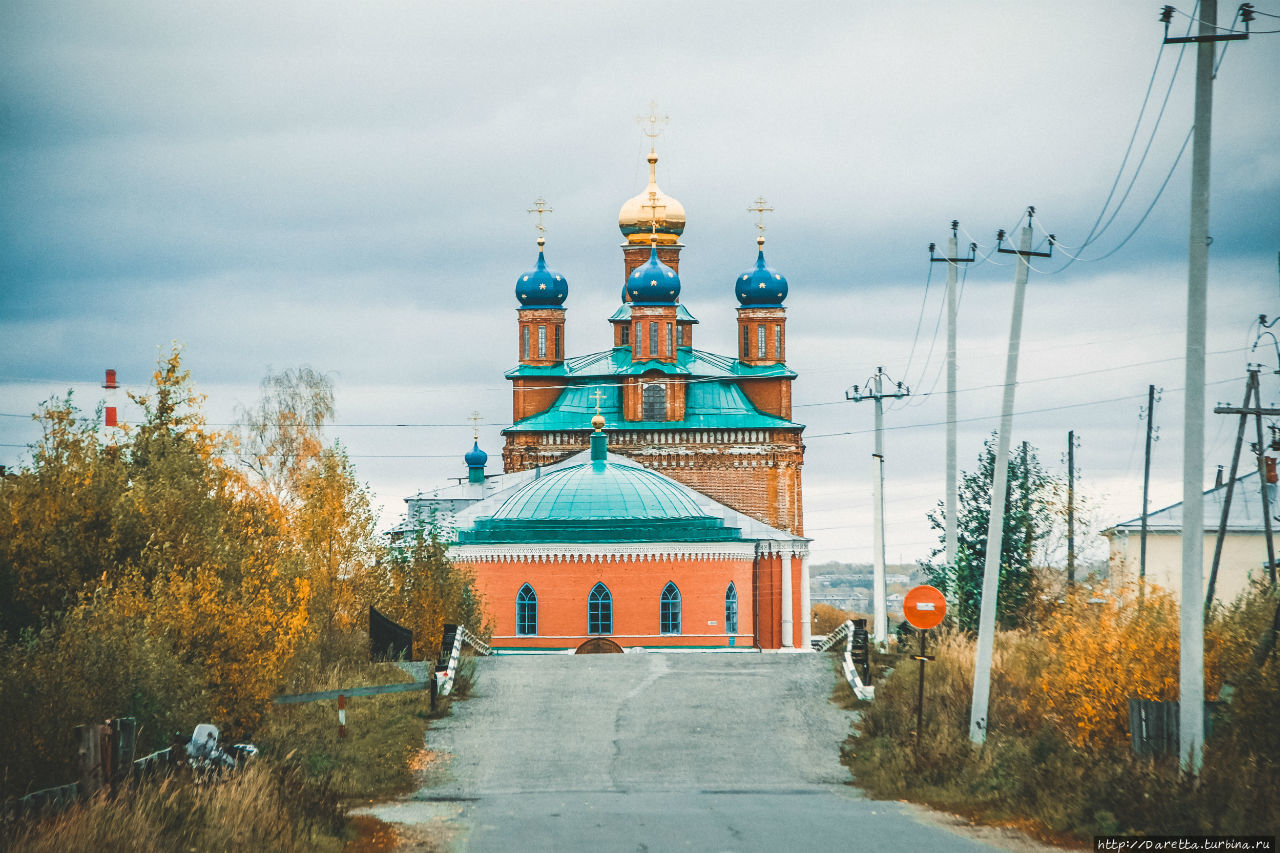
(720, 424)
(650, 494)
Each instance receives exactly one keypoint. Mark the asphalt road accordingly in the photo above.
(660, 752)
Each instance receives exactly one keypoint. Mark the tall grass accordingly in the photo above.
(261, 808)
(1057, 756)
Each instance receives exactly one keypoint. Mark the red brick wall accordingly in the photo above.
(764, 483)
(636, 585)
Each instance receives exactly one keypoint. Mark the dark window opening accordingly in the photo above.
(670, 610)
(526, 612)
(600, 610)
(654, 402)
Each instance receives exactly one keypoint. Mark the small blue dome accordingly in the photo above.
(475, 458)
(762, 285)
(653, 283)
(541, 287)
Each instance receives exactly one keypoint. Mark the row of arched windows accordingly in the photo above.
(600, 610)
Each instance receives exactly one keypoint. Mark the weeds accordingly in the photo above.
(1057, 752)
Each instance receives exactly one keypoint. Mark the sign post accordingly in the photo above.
(924, 607)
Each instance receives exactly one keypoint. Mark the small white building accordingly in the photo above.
(1244, 547)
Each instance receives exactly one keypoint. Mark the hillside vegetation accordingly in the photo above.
(178, 574)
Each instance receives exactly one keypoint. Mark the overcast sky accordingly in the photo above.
(345, 185)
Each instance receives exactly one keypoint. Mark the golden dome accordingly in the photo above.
(636, 219)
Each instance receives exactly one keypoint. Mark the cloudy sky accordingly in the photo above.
(345, 185)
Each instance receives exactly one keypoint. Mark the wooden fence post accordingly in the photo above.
(90, 760)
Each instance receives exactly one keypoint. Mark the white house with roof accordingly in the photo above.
(1244, 547)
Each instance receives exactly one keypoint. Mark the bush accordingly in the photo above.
(1057, 752)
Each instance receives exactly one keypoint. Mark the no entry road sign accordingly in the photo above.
(924, 607)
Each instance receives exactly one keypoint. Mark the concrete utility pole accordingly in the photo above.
(999, 490)
(1071, 508)
(1191, 622)
(875, 391)
(1152, 399)
(950, 505)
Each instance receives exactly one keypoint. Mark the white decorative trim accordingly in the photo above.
(611, 552)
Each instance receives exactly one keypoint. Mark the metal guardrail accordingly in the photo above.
(846, 633)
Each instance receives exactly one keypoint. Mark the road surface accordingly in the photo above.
(660, 752)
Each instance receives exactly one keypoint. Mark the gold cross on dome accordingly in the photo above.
(475, 425)
(655, 207)
(654, 121)
(598, 396)
(760, 207)
(540, 207)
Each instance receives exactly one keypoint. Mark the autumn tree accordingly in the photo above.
(283, 434)
(423, 589)
(1027, 519)
(58, 518)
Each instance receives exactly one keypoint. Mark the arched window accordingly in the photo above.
(746, 341)
(760, 341)
(600, 610)
(524, 340)
(626, 336)
(731, 609)
(670, 610)
(654, 402)
(526, 612)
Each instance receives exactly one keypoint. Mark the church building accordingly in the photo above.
(650, 493)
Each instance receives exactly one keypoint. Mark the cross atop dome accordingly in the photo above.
(654, 123)
(760, 208)
(540, 207)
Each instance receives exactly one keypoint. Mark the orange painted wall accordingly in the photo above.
(636, 585)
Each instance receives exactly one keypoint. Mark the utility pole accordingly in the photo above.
(1191, 619)
(874, 390)
(1071, 508)
(999, 490)
(1152, 399)
(950, 506)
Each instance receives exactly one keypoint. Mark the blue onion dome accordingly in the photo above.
(653, 282)
(541, 287)
(761, 285)
(476, 458)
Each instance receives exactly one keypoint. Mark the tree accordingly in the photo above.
(284, 434)
(1027, 520)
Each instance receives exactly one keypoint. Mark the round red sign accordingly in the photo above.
(924, 607)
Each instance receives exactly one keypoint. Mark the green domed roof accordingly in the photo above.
(599, 490)
(599, 501)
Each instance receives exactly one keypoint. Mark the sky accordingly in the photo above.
(346, 186)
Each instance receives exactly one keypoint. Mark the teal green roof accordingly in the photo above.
(708, 405)
(689, 362)
(599, 490)
(600, 502)
(624, 313)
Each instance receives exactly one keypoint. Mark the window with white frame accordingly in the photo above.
(526, 612)
(669, 615)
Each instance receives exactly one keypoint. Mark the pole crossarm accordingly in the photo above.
(1238, 410)
(973, 250)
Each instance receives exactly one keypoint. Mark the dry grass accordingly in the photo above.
(1052, 760)
(257, 809)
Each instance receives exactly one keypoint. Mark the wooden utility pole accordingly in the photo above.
(999, 491)
(1071, 508)
(875, 391)
(950, 501)
(1146, 488)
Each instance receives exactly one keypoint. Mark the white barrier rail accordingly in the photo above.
(865, 692)
(445, 677)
